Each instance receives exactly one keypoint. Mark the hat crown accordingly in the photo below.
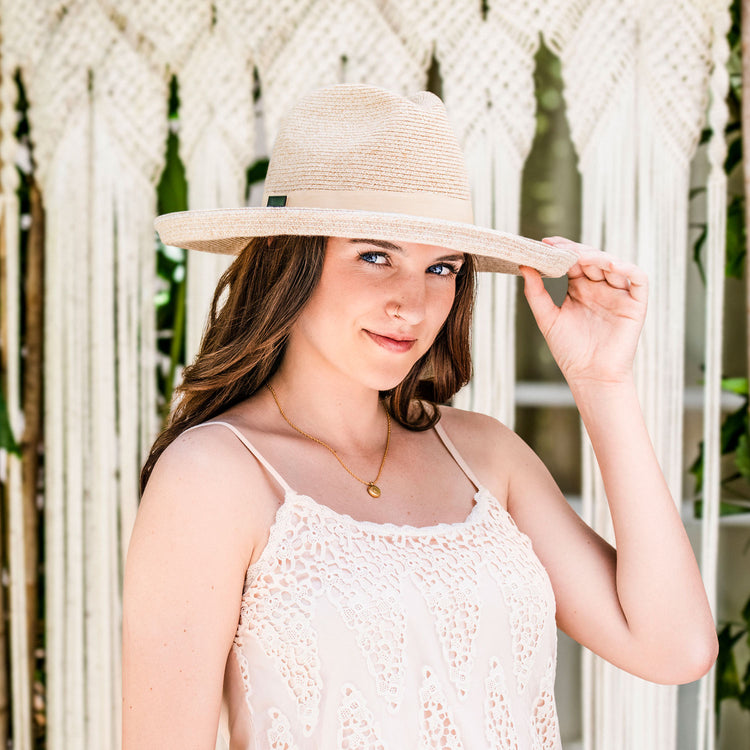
(357, 161)
(354, 137)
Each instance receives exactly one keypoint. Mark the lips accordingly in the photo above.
(398, 345)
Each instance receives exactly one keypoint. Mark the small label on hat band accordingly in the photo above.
(432, 205)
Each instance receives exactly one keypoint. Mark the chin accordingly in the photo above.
(387, 382)
(384, 374)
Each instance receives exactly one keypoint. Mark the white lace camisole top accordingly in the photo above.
(375, 636)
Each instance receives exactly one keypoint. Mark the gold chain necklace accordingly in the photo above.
(372, 488)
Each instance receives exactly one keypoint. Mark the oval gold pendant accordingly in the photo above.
(373, 490)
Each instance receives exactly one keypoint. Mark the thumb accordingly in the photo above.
(542, 306)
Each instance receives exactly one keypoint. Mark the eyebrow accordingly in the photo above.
(390, 246)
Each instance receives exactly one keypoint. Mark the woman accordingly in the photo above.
(346, 560)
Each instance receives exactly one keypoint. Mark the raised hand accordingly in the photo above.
(594, 334)
(640, 603)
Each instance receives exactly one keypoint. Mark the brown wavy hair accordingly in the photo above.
(266, 287)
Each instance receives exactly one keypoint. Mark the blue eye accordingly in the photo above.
(378, 258)
(374, 258)
(444, 269)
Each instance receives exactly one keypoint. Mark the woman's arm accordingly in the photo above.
(642, 607)
(184, 573)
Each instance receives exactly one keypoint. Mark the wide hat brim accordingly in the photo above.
(228, 231)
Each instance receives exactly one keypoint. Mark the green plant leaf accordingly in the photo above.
(734, 155)
(174, 97)
(736, 237)
(746, 617)
(732, 127)
(733, 36)
(256, 172)
(177, 349)
(725, 509)
(744, 695)
(697, 249)
(706, 132)
(727, 678)
(7, 441)
(171, 192)
(734, 439)
(696, 469)
(172, 189)
(733, 428)
(735, 385)
(742, 456)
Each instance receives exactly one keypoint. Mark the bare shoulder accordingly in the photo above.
(529, 492)
(207, 476)
(478, 432)
(489, 447)
(182, 589)
(209, 459)
(472, 423)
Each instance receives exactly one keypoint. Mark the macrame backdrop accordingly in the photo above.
(637, 78)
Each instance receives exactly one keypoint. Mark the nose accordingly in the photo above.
(407, 302)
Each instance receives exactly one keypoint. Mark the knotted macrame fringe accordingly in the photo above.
(623, 711)
(495, 176)
(217, 143)
(66, 417)
(20, 678)
(715, 261)
(100, 416)
(97, 165)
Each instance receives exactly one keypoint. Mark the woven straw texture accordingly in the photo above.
(227, 230)
(365, 140)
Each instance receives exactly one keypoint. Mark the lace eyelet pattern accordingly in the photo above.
(357, 727)
(500, 728)
(409, 609)
(280, 731)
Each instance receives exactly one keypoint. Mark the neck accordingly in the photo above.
(346, 416)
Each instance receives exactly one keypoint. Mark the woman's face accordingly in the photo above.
(376, 310)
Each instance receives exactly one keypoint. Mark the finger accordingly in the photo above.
(590, 260)
(597, 265)
(542, 305)
(555, 240)
(591, 264)
(637, 279)
(623, 276)
(592, 271)
(616, 279)
(600, 266)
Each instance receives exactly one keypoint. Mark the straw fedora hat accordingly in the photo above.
(357, 161)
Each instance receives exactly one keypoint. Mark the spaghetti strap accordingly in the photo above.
(267, 466)
(448, 443)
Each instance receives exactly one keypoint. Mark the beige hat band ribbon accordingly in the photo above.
(428, 205)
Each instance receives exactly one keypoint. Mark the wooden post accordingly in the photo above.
(4, 693)
(32, 410)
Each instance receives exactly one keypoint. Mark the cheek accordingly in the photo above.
(332, 304)
(442, 306)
